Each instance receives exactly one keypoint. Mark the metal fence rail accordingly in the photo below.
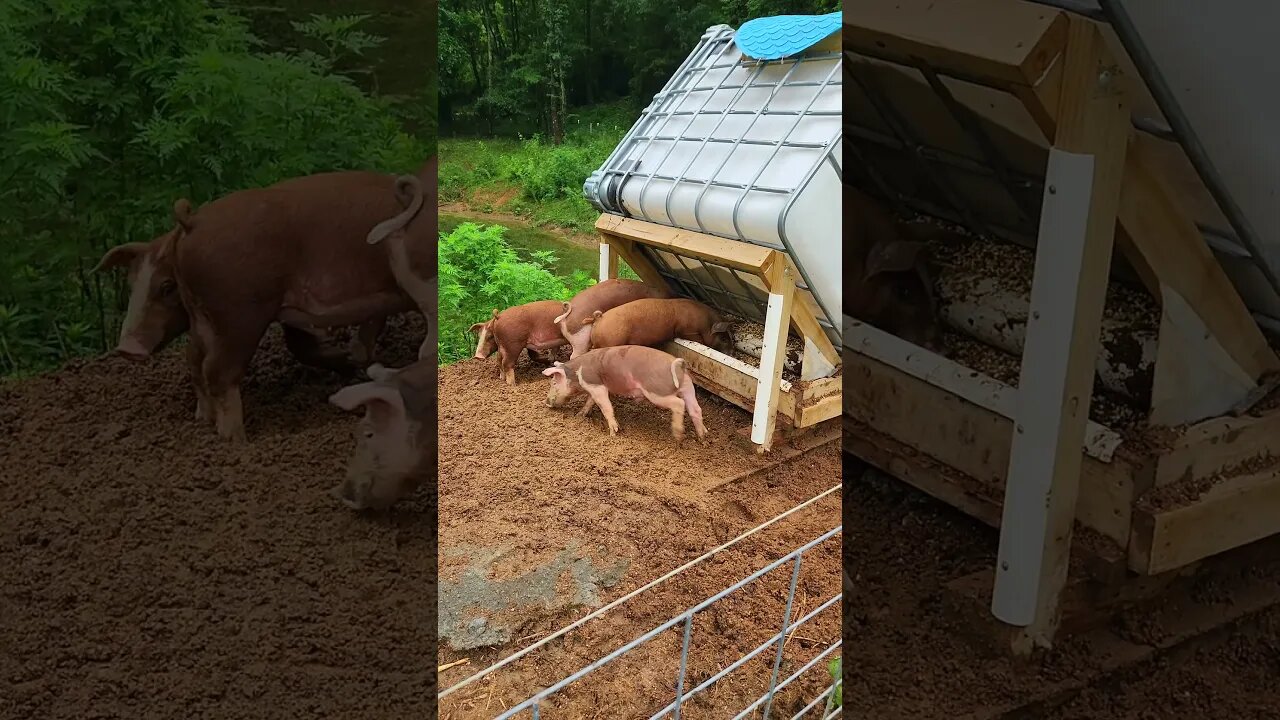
(647, 586)
(795, 557)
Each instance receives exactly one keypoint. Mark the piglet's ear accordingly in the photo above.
(894, 256)
(382, 404)
(120, 255)
(552, 371)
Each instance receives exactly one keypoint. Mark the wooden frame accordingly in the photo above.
(1028, 459)
(760, 390)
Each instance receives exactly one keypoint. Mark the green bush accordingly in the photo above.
(480, 273)
(112, 110)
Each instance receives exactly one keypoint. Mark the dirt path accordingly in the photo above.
(527, 491)
(148, 570)
(584, 240)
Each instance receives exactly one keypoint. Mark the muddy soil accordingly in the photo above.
(523, 486)
(907, 658)
(149, 570)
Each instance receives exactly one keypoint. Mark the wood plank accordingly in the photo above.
(1160, 239)
(1169, 241)
(638, 262)
(608, 262)
(1067, 296)
(805, 321)
(1009, 43)
(732, 253)
(1234, 512)
(971, 445)
(724, 379)
(1214, 446)
(822, 408)
(777, 325)
(985, 392)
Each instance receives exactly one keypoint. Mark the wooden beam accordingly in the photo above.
(754, 259)
(1171, 244)
(1008, 44)
(728, 377)
(777, 324)
(1234, 512)
(1073, 258)
(946, 374)
(803, 318)
(608, 262)
(968, 446)
(819, 401)
(1160, 239)
(638, 262)
(1215, 446)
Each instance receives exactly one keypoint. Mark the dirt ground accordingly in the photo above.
(148, 570)
(522, 485)
(906, 657)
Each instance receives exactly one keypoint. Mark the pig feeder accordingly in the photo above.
(1049, 129)
(726, 190)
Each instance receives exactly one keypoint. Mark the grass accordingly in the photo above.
(530, 177)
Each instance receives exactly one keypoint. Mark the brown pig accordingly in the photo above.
(654, 321)
(631, 371)
(887, 280)
(412, 239)
(293, 253)
(530, 326)
(396, 449)
(601, 296)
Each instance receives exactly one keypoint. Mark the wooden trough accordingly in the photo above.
(726, 191)
(758, 389)
(1030, 113)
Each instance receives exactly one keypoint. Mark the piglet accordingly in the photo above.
(530, 326)
(630, 371)
(654, 321)
(599, 297)
(886, 273)
(396, 449)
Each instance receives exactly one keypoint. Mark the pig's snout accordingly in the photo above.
(131, 349)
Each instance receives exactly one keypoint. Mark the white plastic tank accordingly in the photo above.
(743, 149)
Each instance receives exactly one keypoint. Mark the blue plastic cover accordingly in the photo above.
(774, 38)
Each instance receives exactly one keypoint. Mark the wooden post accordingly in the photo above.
(1073, 257)
(777, 323)
(608, 262)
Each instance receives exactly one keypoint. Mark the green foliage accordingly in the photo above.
(113, 110)
(837, 680)
(517, 67)
(480, 273)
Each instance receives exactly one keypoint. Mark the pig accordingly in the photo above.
(654, 321)
(601, 296)
(887, 278)
(524, 327)
(631, 371)
(155, 315)
(412, 239)
(293, 253)
(396, 449)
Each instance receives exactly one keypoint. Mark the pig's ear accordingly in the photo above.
(476, 328)
(382, 403)
(894, 256)
(560, 318)
(120, 255)
(720, 327)
(553, 371)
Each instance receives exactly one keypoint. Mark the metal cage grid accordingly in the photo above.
(716, 57)
(869, 147)
(684, 620)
